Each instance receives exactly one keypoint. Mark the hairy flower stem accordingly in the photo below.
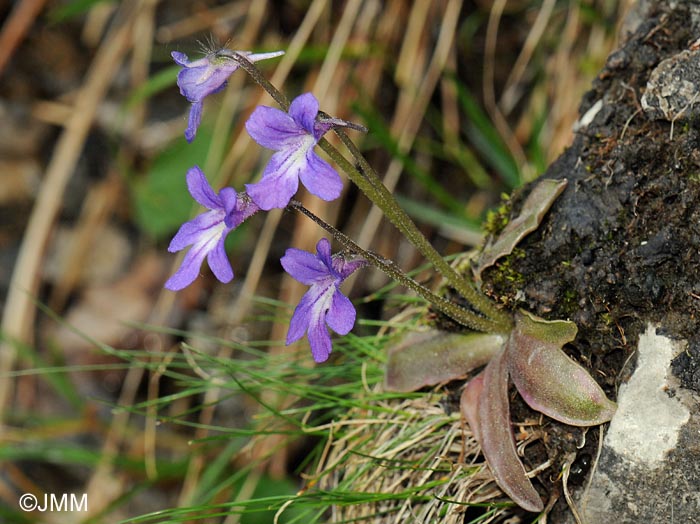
(263, 82)
(403, 222)
(452, 310)
(371, 185)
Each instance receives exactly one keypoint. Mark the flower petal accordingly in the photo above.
(229, 201)
(299, 323)
(180, 58)
(273, 128)
(345, 268)
(193, 121)
(189, 78)
(219, 262)
(341, 315)
(205, 77)
(320, 178)
(188, 270)
(192, 232)
(323, 253)
(221, 68)
(256, 57)
(303, 110)
(304, 266)
(201, 191)
(243, 209)
(319, 338)
(279, 183)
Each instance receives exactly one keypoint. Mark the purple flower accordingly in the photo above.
(206, 233)
(323, 303)
(293, 135)
(207, 76)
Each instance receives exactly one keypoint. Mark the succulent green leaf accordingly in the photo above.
(534, 208)
(547, 379)
(430, 357)
(496, 437)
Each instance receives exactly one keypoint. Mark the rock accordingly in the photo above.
(649, 466)
(673, 89)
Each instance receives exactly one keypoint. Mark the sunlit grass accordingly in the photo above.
(334, 411)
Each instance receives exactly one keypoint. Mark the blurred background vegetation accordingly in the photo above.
(188, 407)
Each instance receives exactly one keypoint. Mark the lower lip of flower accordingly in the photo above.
(211, 237)
(305, 143)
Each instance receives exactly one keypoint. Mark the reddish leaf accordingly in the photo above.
(430, 357)
(548, 380)
(497, 440)
(469, 404)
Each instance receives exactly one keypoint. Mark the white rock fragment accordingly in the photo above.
(644, 403)
(588, 117)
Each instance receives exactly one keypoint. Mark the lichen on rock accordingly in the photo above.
(673, 90)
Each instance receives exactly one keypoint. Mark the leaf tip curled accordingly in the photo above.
(469, 404)
(548, 379)
(536, 205)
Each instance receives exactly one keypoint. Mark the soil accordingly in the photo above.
(621, 246)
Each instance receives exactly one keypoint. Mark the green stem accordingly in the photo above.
(371, 185)
(403, 222)
(452, 310)
(263, 82)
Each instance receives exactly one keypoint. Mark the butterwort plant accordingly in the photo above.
(510, 345)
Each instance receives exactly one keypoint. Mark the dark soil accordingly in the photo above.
(621, 245)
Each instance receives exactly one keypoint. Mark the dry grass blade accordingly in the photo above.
(489, 86)
(19, 313)
(509, 98)
(16, 26)
(410, 449)
(413, 102)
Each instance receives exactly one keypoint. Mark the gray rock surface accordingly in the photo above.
(673, 89)
(649, 467)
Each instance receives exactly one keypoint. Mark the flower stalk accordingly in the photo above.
(371, 185)
(388, 204)
(454, 311)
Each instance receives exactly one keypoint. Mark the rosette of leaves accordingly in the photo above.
(530, 355)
